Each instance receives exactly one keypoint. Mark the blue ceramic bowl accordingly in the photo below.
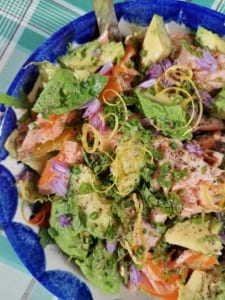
(49, 266)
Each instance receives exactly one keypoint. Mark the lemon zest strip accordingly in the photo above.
(86, 129)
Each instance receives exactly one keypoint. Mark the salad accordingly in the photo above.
(123, 145)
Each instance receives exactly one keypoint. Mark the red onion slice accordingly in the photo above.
(159, 68)
(60, 167)
(110, 247)
(98, 123)
(106, 68)
(91, 108)
(147, 83)
(135, 277)
(206, 98)
(193, 148)
(64, 220)
(207, 62)
(59, 184)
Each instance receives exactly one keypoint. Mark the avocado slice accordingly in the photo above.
(94, 205)
(88, 58)
(10, 144)
(197, 285)
(203, 285)
(46, 70)
(207, 38)
(218, 105)
(197, 236)
(97, 211)
(157, 44)
(74, 240)
(126, 167)
(101, 269)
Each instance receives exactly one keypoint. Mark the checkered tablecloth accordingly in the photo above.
(24, 25)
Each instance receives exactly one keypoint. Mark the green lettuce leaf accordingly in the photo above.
(21, 102)
(45, 238)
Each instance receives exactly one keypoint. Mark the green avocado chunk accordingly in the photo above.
(86, 211)
(218, 105)
(88, 58)
(78, 224)
(207, 38)
(197, 284)
(126, 167)
(197, 236)
(157, 44)
(93, 205)
(203, 286)
(46, 71)
(64, 92)
(72, 238)
(168, 116)
(100, 268)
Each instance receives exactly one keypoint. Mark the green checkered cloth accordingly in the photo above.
(25, 24)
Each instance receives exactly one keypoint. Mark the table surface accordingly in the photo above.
(25, 24)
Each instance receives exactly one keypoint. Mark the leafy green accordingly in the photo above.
(44, 236)
(191, 49)
(169, 117)
(21, 102)
(113, 110)
(147, 171)
(134, 128)
(64, 92)
(98, 163)
(121, 211)
(165, 175)
(170, 205)
(148, 197)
